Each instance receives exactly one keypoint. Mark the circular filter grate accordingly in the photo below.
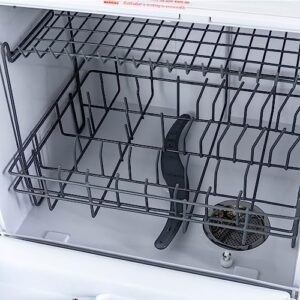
(231, 238)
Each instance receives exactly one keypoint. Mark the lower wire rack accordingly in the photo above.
(99, 147)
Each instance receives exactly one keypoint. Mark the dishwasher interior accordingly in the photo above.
(94, 101)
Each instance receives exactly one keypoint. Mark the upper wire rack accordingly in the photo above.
(173, 45)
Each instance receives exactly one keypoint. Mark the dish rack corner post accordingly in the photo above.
(10, 101)
(76, 67)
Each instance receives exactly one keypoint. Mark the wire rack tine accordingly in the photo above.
(222, 71)
(90, 127)
(266, 102)
(213, 114)
(101, 158)
(274, 145)
(249, 102)
(296, 80)
(238, 200)
(295, 228)
(206, 203)
(187, 68)
(235, 147)
(283, 105)
(245, 233)
(146, 192)
(61, 188)
(42, 182)
(157, 166)
(186, 171)
(202, 138)
(240, 74)
(120, 151)
(175, 198)
(129, 163)
(221, 139)
(186, 134)
(246, 180)
(117, 188)
(162, 123)
(128, 118)
(184, 213)
(200, 97)
(138, 95)
(290, 152)
(233, 100)
(73, 111)
(76, 143)
(91, 117)
(295, 119)
(257, 76)
(127, 133)
(256, 143)
(89, 193)
(264, 106)
(50, 205)
(204, 69)
(216, 176)
(103, 91)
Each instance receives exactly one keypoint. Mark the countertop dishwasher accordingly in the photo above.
(150, 150)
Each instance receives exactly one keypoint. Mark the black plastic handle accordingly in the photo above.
(173, 173)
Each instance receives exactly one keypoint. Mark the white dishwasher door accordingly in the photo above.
(33, 271)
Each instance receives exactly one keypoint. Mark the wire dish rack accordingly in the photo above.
(109, 171)
(250, 53)
(103, 184)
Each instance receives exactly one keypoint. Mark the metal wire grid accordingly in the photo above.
(40, 177)
(191, 47)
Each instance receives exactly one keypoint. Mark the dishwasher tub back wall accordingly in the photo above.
(94, 158)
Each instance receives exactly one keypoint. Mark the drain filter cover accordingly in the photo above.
(234, 239)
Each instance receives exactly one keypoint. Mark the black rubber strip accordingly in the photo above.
(173, 173)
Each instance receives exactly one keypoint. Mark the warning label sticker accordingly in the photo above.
(175, 4)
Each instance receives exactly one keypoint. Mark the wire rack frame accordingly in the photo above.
(35, 168)
(102, 38)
